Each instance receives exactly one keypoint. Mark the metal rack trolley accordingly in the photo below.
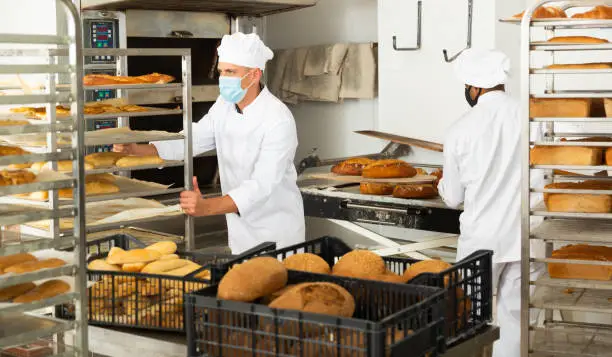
(558, 337)
(17, 327)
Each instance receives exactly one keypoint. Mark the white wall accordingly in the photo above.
(329, 126)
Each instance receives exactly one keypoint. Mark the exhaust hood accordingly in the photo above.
(232, 7)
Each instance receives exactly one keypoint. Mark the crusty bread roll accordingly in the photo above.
(376, 188)
(161, 266)
(601, 12)
(101, 264)
(545, 12)
(169, 257)
(390, 168)
(426, 266)
(581, 271)
(165, 248)
(14, 259)
(577, 39)
(319, 298)
(134, 256)
(581, 203)
(352, 167)
(565, 155)
(103, 159)
(133, 267)
(580, 66)
(12, 292)
(31, 266)
(360, 264)
(130, 161)
(415, 191)
(253, 279)
(559, 107)
(45, 290)
(307, 262)
(91, 189)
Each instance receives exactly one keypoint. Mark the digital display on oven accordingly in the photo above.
(102, 36)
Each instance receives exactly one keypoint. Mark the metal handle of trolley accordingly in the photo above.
(420, 211)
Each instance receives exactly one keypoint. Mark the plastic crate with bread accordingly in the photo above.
(314, 314)
(583, 252)
(468, 282)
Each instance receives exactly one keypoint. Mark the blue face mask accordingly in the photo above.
(231, 88)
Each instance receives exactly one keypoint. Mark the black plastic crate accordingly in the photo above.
(390, 320)
(469, 283)
(146, 301)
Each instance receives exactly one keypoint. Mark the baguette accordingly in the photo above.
(162, 266)
(91, 189)
(580, 66)
(62, 166)
(389, 169)
(134, 256)
(9, 260)
(31, 266)
(565, 155)
(415, 191)
(581, 203)
(103, 159)
(108, 178)
(351, 167)
(104, 79)
(164, 248)
(100, 264)
(12, 292)
(253, 279)
(577, 39)
(376, 188)
(45, 290)
(130, 161)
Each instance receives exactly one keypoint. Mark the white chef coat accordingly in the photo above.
(482, 170)
(255, 150)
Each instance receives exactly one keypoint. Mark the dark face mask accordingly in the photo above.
(468, 97)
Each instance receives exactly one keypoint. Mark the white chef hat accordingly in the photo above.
(244, 50)
(482, 68)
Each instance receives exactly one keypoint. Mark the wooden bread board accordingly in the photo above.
(403, 140)
(419, 179)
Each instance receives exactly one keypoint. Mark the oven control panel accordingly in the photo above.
(101, 33)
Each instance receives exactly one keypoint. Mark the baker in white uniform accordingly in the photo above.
(255, 137)
(482, 170)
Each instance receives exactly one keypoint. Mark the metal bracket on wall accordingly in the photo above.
(418, 44)
(469, 35)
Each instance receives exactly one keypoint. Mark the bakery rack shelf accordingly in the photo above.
(561, 228)
(58, 69)
(181, 91)
(17, 329)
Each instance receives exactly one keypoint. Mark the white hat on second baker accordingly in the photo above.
(482, 68)
(244, 50)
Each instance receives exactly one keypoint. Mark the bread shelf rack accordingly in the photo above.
(18, 322)
(568, 296)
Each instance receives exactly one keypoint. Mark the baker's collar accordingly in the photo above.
(490, 96)
(263, 91)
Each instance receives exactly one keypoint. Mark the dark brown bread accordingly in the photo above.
(376, 188)
(389, 168)
(351, 167)
(415, 191)
(320, 298)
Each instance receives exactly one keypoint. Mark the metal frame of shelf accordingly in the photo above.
(559, 227)
(15, 327)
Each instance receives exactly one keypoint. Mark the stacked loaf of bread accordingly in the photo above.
(580, 203)
(572, 155)
(582, 271)
(148, 298)
(29, 292)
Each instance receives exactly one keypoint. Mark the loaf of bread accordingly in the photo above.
(376, 188)
(390, 168)
(45, 290)
(11, 292)
(101, 264)
(391, 277)
(18, 177)
(14, 259)
(319, 298)
(131, 161)
(165, 248)
(106, 177)
(577, 39)
(581, 271)
(609, 157)
(579, 203)
(134, 256)
(559, 107)
(253, 279)
(601, 12)
(114, 250)
(169, 256)
(27, 267)
(580, 66)
(360, 264)
(62, 166)
(162, 266)
(415, 191)
(103, 159)
(10, 122)
(307, 262)
(105, 79)
(91, 189)
(545, 12)
(566, 155)
(133, 267)
(352, 167)
(426, 266)
(184, 270)
(12, 150)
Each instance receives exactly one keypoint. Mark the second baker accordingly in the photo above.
(255, 137)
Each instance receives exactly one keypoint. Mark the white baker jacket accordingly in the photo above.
(482, 170)
(255, 151)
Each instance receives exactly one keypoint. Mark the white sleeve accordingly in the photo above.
(277, 153)
(203, 136)
(450, 187)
